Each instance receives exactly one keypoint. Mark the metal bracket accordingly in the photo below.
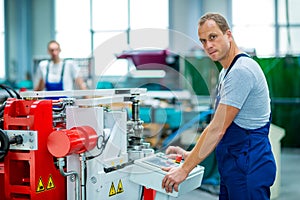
(30, 139)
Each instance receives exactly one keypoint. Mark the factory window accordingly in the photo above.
(253, 25)
(289, 26)
(73, 27)
(109, 20)
(2, 47)
(107, 28)
(87, 25)
(150, 19)
(142, 14)
(117, 24)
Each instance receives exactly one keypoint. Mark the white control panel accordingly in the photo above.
(147, 172)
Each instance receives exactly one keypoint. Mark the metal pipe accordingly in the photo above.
(135, 110)
(59, 109)
(61, 164)
(58, 103)
(83, 175)
(60, 115)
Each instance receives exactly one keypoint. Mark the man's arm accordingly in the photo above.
(80, 83)
(40, 85)
(206, 143)
(211, 136)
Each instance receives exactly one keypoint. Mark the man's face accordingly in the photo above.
(215, 43)
(53, 50)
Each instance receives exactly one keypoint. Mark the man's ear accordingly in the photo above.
(229, 34)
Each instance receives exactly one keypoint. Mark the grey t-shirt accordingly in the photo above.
(245, 87)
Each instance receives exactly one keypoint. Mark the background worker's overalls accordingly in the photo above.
(245, 161)
(54, 86)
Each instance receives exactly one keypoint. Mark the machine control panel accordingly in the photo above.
(147, 172)
(159, 160)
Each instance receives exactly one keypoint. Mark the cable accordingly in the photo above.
(4, 141)
(7, 88)
(2, 108)
(1, 115)
(100, 147)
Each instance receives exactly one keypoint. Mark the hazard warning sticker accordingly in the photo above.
(113, 191)
(120, 187)
(40, 187)
(50, 184)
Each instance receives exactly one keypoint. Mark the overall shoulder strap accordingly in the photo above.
(47, 69)
(234, 60)
(63, 69)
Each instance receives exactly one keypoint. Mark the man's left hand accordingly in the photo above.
(173, 178)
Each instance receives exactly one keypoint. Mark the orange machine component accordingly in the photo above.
(31, 174)
(76, 140)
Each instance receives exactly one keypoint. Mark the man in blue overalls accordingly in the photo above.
(57, 74)
(240, 126)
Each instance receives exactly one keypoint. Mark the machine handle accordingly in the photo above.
(5, 142)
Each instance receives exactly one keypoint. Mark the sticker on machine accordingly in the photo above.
(40, 187)
(120, 187)
(50, 184)
(112, 190)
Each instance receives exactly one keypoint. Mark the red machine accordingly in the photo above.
(76, 140)
(30, 174)
(75, 149)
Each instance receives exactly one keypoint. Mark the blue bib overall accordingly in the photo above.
(245, 161)
(55, 86)
(50, 86)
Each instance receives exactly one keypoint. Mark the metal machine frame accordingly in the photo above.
(78, 147)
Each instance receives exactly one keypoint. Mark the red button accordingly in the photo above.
(178, 158)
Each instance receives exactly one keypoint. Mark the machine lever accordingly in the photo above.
(18, 139)
(5, 142)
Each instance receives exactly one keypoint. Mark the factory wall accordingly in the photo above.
(29, 26)
(184, 16)
(42, 25)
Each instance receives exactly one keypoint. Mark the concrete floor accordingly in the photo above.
(290, 179)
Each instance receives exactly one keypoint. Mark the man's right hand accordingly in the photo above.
(173, 151)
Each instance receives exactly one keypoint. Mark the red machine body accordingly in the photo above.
(30, 174)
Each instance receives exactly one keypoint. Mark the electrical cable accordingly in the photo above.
(99, 147)
(1, 115)
(4, 144)
(7, 88)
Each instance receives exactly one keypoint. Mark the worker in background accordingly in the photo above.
(57, 74)
(240, 126)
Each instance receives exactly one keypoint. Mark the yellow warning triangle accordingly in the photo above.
(50, 184)
(112, 190)
(120, 187)
(40, 187)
